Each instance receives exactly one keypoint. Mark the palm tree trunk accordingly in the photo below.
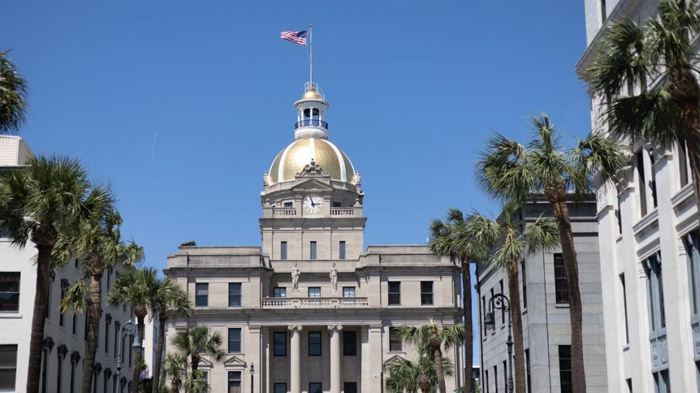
(43, 271)
(517, 320)
(557, 196)
(195, 361)
(437, 359)
(93, 315)
(162, 318)
(468, 325)
(138, 354)
(685, 93)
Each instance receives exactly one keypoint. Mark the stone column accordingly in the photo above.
(335, 358)
(295, 360)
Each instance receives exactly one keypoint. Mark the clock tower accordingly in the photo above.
(312, 200)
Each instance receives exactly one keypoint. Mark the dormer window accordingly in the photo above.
(288, 204)
(337, 204)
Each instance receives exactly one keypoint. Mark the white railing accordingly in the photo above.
(342, 211)
(284, 211)
(314, 302)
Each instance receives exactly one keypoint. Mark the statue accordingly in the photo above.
(334, 278)
(295, 279)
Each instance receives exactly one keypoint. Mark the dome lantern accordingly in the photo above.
(311, 110)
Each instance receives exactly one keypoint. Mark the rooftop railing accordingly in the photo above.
(314, 302)
(311, 123)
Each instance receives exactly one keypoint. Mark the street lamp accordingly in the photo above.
(500, 301)
(127, 328)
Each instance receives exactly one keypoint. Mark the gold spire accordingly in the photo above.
(311, 94)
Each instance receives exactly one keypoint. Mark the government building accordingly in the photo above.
(649, 242)
(312, 310)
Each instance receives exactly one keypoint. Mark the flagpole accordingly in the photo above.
(311, 57)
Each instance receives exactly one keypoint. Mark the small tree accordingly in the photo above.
(196, 341)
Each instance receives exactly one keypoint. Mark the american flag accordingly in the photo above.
(297, 37)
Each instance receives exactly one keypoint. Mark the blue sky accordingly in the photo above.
(181, 106)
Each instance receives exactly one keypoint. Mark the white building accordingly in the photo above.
(311, 310)
(64, 334)
(648, 224)
(544, 302)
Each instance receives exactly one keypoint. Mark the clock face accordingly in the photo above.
(312, 204)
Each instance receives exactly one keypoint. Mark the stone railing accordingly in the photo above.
(314, 302)
(342, 211)
(284, 211)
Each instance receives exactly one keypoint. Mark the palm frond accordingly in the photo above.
(541, 235)
(503, 170)
(595, 157)
(76, 297)
(13, 96)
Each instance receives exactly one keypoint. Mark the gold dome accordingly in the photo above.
(299, 153)
(311, 94)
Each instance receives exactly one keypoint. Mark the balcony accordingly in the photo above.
(284, 211)
(314, 302)
(311, 123)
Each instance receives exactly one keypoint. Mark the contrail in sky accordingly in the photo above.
(153, 152)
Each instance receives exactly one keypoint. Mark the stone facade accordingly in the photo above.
(648, 224)
(312, 310)
(545, 310)
(64, 335)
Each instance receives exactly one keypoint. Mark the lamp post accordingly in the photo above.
(127, 328)
(500, 301)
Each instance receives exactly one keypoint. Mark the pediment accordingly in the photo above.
(395, 358)
(313, 184)
(234, 361)
(205, 363)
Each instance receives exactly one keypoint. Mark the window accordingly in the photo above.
(527, 370)
(337, 204)
(426, 293)
(117, 325)
(683, 163)
(289, 204)
(314, 291)
(9, 291)
(603, 11)
(280, 343)
(59, 372)
(618, 215)
(314, 343)
(652, 183)
(234, 382)
(505, 379)
(64, 289)
(495, 378)
(234, 340)
(283, 250)
(131, 350)
(108, 320)
(395, 342)
(350, 387)
(483, 312)
(642, 183)
(523, 266)
(394, 293)
(624, 307)
(486, 380)
(315, 387)
(341, 249)
(108, 278)
(74, 324)
(279, 292)
(312, 250)
(234, 294)
(691, 247)
(565, 368)
(494, 317)
(655, 294)
(629, 385)
(86, 318)
(348, 291)
(661, 382)
(561, 283)
(503, 309)
(47, 313)
(8, 367)
(280, 387)
(349, 343)
(201, 296)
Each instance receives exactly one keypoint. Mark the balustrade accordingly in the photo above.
(314, 302)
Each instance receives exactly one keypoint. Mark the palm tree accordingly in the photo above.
(662, 49)
(510, 171)
(169, 299)
(456, 239)
(408, 376)
(196, 383)
(13, 93)
(514, 243)
(195, 341)
(174, 367)
(135, 288)
(431, 339)
(97, 246)
(44, 202)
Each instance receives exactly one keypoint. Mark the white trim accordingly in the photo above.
(343, 172)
